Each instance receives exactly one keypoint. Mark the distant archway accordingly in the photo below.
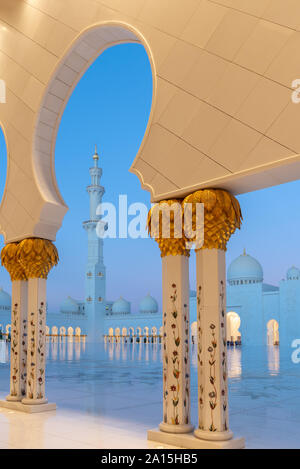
(194, 332)
(273, 332)
(233, 324)
(70, 331)
(78, 331)
(54, 330)
(62, 331)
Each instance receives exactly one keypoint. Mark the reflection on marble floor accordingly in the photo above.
(115, 392)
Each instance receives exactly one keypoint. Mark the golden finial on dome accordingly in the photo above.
(96, 156)
(244, 252)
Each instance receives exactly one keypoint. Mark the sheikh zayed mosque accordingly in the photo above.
(224, 121)
(255, 311)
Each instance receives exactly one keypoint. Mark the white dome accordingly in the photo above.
(148, 305)
(121, 306)
(5, 300)
(245, 269)
(69, 306)
(293, 273)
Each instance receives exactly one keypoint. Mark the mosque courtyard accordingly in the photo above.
(109, 395)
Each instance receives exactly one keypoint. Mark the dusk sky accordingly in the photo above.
(110, 107)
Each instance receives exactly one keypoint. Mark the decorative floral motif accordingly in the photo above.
(200, 360)
(213, 395)
(165, 369)
(15, 372)
(41, 351)
(224, 385)
(186, 401)
(36, 348)
(175, 358)
(23, 357)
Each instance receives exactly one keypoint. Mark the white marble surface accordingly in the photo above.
(109, 398)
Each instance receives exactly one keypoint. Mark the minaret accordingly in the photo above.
(95, 277)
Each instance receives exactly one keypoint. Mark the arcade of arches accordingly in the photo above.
(241, 149)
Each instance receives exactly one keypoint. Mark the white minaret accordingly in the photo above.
(95, 291)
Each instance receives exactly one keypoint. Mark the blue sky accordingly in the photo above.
(110, 107)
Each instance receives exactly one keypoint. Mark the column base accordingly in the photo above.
(189, 441)
(213, 436)
(13, 398)
(29, 409)
(27, 401)
(167, 428)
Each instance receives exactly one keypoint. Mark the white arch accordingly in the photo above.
(233, 322)
(70, 331)
(47, 330)
(124, 331)
(83, 51)
(54, 330)
(62, 330)
(78, 331)
(273, 332)
(154, 330)
(7, 329)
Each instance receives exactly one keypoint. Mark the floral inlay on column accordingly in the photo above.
(176, 362)
(15, 351)
(200, 360)
(212, 394)
(176, 357)
(186, 359)
(224, 390)
(222, 216)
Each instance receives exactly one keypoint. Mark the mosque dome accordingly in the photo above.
(121, 306)
(5, 300)
(244, 269)
(293, 273)
(148, 305)
(69, 306)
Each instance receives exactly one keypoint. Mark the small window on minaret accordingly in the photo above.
(100, 274)
(100, 299)
(89, 299)
(89, 274)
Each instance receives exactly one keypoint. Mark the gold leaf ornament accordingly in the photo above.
(165, 225)
(222, 216)
(37, 257)
(10, 262)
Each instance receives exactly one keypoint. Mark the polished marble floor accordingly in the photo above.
(108, 396)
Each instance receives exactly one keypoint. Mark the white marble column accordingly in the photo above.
(176, 357)
(36, 350)
(18, 340)
(212, 360)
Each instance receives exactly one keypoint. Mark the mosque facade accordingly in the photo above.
(257, 313)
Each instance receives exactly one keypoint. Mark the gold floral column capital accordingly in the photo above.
(10, 262)
(165, 225)
(222, 215)
(37, 257)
